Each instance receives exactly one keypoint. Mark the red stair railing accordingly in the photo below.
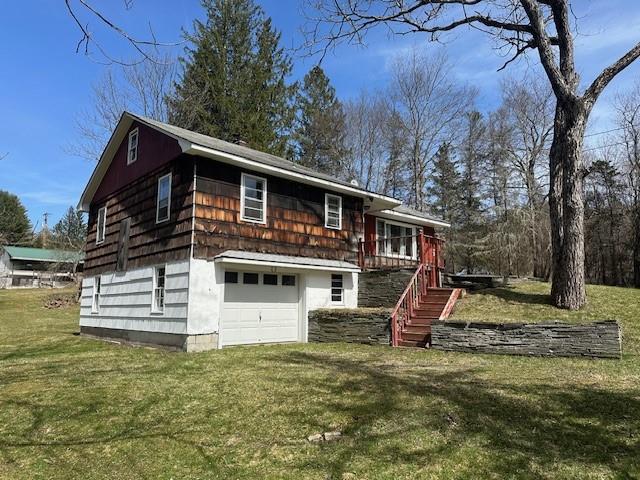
(409, 300)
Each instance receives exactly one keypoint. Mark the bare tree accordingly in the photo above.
(542, 26)
(85, 15)
(141, 88)
(431, 105)
(628, 108)
(365, 126)
(530, 108)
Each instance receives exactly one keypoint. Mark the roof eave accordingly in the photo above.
(390, 214)
(381, 201)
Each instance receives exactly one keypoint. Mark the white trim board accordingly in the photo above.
(292, 266)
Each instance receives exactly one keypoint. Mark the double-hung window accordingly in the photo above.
(157, 302)
(332, 211)
(95, 299)
(101, 225)
(337, 288)
(132, 151)
(253, 199)
(163, 203)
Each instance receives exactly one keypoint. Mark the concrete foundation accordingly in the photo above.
(171, 341)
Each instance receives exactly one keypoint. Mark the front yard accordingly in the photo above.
(71, 407)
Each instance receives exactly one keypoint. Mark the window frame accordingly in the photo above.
(133, 133)
(95, 295)
(154, 292)
(383, 246)
(335, 276)
(243, 178)
(101, 233)
(328, 196)
(160, 179)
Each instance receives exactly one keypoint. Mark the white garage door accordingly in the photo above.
(260, 308)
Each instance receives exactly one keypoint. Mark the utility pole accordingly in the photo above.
(45, 229)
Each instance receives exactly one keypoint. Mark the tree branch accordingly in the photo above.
(547, 58)
(608, 74)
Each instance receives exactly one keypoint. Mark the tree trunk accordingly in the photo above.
(567, 205)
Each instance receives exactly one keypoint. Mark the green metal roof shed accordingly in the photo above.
(43, 255)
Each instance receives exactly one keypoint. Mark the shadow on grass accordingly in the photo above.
(510, 294)
(518, 425)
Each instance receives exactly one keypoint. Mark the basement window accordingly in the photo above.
(333, 211)
(159, 277)
(101, 225)
(132, 151)
(95, 300)
(163, 203)
(336, 288)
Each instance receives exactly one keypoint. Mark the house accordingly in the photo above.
(196, 243)
(37, 267)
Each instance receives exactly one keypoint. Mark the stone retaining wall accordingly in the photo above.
(598, 339)
(382, 288)
(359, 325)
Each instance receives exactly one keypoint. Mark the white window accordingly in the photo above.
(101, 225)
(336, 288)
(396, 240)
(95, 301)
(163, 203)
(157, 302)
(253, 199)
(332, 211)
(132, 151)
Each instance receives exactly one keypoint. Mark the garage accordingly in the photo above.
(260, 307)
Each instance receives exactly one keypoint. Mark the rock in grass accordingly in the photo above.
(329, 436)
(315, 438)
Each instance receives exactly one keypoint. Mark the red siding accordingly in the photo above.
(370, 234)
(154, 150)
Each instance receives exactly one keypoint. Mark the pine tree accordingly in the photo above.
(446, 185)
(71, 231)
(15, 227)
(320, 129)
(233, 84)
(470, 231)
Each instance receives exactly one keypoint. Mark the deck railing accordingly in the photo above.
(408, 301)
(404, 252)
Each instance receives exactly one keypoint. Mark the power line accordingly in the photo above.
(603, 146)
(603, 132)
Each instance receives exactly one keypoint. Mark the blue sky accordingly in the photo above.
(45, 84)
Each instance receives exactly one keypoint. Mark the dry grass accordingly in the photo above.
(77, 408)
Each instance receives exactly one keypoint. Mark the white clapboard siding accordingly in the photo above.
(125, 300)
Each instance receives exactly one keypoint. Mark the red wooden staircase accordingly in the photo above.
(417, 308)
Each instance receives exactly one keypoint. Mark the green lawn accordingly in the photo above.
(71, 407)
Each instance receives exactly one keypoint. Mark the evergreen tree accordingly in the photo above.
(446, 185)
(14, 223)
(320, 129)
(470, 223)
(233, 84)
(71, 231)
